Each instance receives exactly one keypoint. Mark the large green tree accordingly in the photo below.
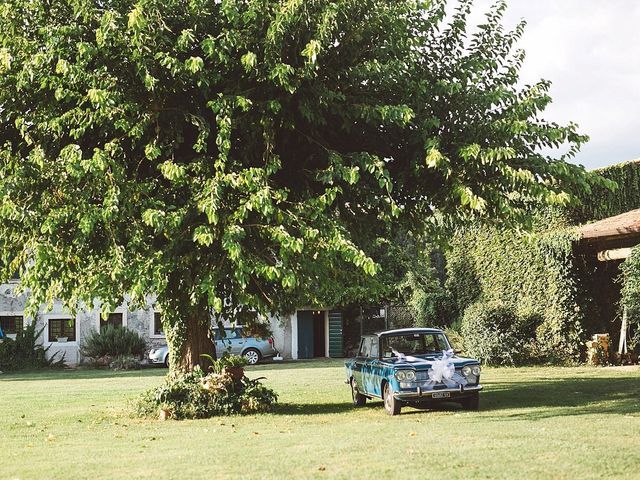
(239, 156)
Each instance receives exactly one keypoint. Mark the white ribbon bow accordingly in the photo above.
(442, 370)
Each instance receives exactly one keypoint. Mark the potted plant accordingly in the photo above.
(233, 365)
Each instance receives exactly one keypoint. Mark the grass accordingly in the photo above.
(534, 423)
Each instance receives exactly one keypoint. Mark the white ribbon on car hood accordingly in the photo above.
(442, 370)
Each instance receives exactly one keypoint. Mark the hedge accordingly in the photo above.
(536, 274)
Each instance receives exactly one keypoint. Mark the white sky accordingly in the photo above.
(590, 50)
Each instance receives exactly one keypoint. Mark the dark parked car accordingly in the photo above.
(412, 366)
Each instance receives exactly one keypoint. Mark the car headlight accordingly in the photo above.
(475, 370)
(466, 370)
(406, 375)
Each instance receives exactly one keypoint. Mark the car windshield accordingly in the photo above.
(413, 344)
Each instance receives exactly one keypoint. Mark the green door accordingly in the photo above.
(335, 334)
(305, 334)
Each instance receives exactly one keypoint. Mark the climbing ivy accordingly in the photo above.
(630, 295)
(537, 273)
(530, 274)
(604, 201)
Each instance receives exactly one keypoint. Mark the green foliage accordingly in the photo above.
(255, 151)
(424, 292)
(125, 362)
(198, 395)
(113, 342)
(226, 360)
(630, 294)
(25, 353)
(530, 274)
(494, 333)
(539, 272)
(620, 194)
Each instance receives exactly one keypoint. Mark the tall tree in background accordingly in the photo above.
(237, 156)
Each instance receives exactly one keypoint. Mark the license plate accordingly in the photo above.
(440, 395)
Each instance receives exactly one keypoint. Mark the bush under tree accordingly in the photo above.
(223, 390)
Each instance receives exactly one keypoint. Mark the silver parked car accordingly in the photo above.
(252, 348)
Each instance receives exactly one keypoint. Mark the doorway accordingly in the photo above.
(311, 334)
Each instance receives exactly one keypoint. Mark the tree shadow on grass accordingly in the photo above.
(531, 400)
(564, 396)
(79, 374)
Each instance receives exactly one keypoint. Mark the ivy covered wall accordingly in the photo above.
(532, 275)
(604, 202)
(539, 276)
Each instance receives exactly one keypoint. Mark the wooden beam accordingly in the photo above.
(615, 254)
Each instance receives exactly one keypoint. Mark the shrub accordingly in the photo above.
(113, 342)
(197, 394)
(125, 362)
(24, 353)
(495, 334)
(630, 294)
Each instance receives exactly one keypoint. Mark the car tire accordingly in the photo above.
(166, 360)
(391, 405)
(252, 356)
(471, 403)
(358, 399)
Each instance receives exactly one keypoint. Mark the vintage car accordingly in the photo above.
(412, 366)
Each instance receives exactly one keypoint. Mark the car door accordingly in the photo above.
(221, 343)
(359, 363)
(236, 341)
(371, 370)
(225, 344)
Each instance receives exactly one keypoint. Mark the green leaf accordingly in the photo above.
(311, 51)
(249, 61)
(194, 64)
(172, 171)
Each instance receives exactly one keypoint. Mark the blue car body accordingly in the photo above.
(427, 373)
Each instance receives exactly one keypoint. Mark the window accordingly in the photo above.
(113, 319)
(11, 324)
(62, 328)
(414, 344)
(229, 333)
(369, 347)
(157, 324)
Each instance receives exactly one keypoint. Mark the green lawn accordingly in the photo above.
(534, 423)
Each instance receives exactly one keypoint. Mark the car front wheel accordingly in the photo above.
(391, 405)
(252, 356)
(166, 360)
(358, 399)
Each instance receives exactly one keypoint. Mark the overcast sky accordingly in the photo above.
(590, 50)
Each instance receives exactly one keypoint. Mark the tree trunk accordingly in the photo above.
(189, 336)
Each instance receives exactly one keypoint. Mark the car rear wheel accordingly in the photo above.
(358, 399)
(252, 356)
(391, 405)
(472, 402)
